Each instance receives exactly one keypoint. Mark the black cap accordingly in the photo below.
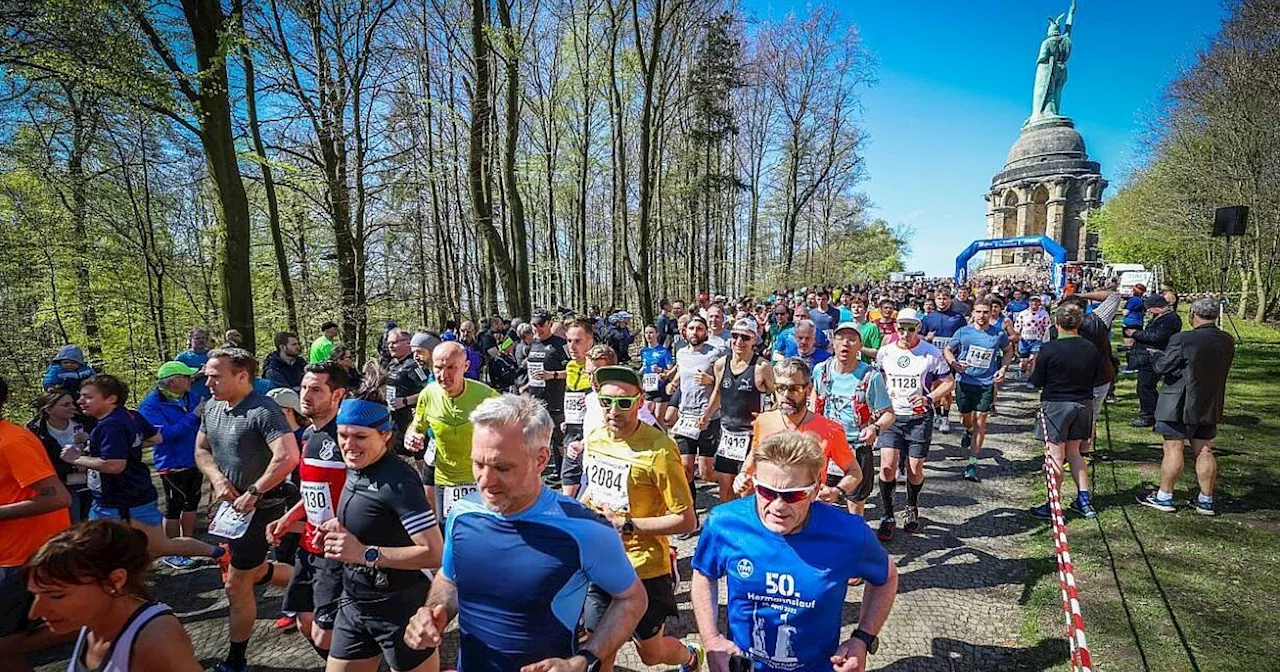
(540, 316)
(330, 324)
(1155, 301)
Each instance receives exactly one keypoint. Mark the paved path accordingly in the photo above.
(960, 585)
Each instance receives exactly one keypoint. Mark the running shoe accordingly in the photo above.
(1042, 512)
(937, 421)
(1142, 422)
(699, 657)
(1083, 509)
(1151, 500)
(911, 519)
(1201, 508)
(224, 561)
(966, 440)
(1111, 398)
(286, 622)
(178, 561)
(885, 533)
(971, 473)
(224, 667)
(945, 425)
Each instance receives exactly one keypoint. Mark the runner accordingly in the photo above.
(173, 408)
(635, 480)
(384, 534)
(1032, 327)
(443, 412)
(656, 364)
(548, 356)
(786, 595)
(577, 385)
(824, 316)
(717, 333)
(911, 368)
(869, 330)
(853, 393)
(118, 478)
(92, 578)
(972, 354)
(316, 582)
(697, 432)
(742, 381)
(793, 387)
(519, 557)
(33, 508)
(939, 328)
(807, 348)
(247, 452)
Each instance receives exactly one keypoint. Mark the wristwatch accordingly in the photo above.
(842, 492)
(628, 525)
(593, 661)
(872, 642)
(371, 556)
(253, 491)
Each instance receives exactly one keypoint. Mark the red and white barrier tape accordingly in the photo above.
(1080, 658)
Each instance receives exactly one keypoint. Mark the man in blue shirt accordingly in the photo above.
(519, 557)
(786, 596)
(938, 328)
(979, 353)
(825, 316)
(195, 357)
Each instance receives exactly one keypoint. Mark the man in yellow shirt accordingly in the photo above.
(635, 479)
(444, 410)
(577, 383)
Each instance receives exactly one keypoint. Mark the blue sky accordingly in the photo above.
(955, 86)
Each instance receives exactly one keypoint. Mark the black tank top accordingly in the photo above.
(740, 401)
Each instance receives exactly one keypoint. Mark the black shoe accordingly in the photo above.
(912, 520)
(966, 440)
(1142, 422)
(885, 533)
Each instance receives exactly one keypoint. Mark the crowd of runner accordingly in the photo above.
(525, 478)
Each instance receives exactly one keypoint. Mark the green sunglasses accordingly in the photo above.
(623, 403)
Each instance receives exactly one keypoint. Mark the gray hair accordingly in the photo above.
(509, 410)
(524, 329)
(791, 366)
(1206, 308)
(806, 324)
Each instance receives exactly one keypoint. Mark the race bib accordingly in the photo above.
(978, 358)
(901, 387)
(229, 523)
(650, 382)
(452, 494)
(429, 455)
(687, 426)
(734, 445)
(534, 369)
(607, 479)
(316, 500)
(390, 392)
(575, 407)
(941, 342)
(94, 478)
(834, 469)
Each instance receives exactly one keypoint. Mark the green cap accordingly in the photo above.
(175, 369)
(617, 374)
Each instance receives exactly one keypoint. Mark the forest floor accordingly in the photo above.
(965, 578)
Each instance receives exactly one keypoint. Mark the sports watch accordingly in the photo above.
(872, 642)
(628, 526)
(371, 555)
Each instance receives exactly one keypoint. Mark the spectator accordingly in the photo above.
(1195, 365)
(1148, 345)
(619, 337)
(384, 355)
(524, 341)
(67, 370)
(284, 368)
(174, 410)
(232, 339)
(1134, 312)
(475, 358)
(33, 507)
(323, 345)
(345, 357)
(58, 422)
(195, 357)
(504, 374)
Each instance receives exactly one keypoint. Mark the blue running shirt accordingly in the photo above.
(981, 350)
(522, 579)
(844, 393)
(786, 592)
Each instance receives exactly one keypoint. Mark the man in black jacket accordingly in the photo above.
(1195, 365)
(1148, 345)
(285, 366)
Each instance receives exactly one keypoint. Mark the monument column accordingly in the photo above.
(1024, 190)
(1057, 208)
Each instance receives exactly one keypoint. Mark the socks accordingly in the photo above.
(236, 654)
(218, 552)
(1164, 496)
(913, 493)
(1207, 500)
(1083, 497)
(973, 459)
(886, 495)
(323, 653)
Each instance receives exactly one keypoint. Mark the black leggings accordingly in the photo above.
(181, 492)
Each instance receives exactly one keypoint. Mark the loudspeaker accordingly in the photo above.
(1230, 221)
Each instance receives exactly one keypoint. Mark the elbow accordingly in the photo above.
(61, 499)
(688, 521)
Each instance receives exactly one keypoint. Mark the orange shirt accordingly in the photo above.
(828, 432)
(23, 463)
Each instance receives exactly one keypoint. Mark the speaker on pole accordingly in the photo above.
(1230, 221)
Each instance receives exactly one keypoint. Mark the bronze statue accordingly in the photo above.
(1051, 67)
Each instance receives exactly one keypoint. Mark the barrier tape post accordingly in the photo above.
(1080, 658)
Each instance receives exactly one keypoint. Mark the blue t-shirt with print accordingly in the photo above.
(119, 436)
(655, 359)
(837, 390)
(786, 592)
(981, 350)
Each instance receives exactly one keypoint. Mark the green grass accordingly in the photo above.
(1217, 580)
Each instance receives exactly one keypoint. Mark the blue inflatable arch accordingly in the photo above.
(1058, 252)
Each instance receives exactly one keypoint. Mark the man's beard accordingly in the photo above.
(790, 407)
(696, 341)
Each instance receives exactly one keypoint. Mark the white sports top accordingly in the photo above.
(121, 649)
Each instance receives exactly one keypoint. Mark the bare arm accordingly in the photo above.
(877, 601)
(205, 462)
(619, 621)
(764, 377)
(717, 373)
(703, 592)
(163, 646)
(284, 458)
(671, 523)
(101, 465)
(424, 554)
(51, 495)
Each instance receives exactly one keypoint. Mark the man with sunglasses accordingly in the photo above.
(742, 380)
(980, 354)
(635, 480)
(786, 596)
(917, 376)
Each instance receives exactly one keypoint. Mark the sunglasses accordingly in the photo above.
(787, 495)
(623, 403)
(789, 389)
(908, 330)
(741, 337)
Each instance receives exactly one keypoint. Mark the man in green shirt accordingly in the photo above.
(321, 347)
(442, 419)
(870, 331)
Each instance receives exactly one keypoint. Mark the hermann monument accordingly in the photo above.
(1048, 180)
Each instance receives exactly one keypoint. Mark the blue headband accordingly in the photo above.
(365, 414)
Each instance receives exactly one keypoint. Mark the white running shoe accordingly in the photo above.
(944, 426)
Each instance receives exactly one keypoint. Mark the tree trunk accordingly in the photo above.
(84, 117)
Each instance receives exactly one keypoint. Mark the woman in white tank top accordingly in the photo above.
(92, 577)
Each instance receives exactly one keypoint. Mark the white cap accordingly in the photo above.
(908, 315)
